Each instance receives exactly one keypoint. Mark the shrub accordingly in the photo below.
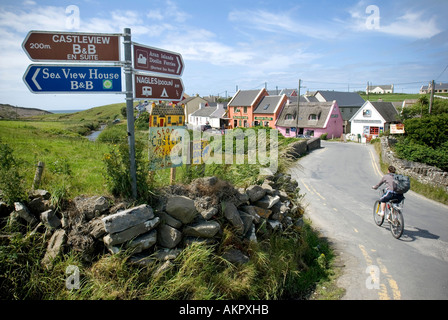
(11, 180)
(118, 175)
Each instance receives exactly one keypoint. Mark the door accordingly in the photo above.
(161, 122)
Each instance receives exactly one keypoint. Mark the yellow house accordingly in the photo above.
(163, 115)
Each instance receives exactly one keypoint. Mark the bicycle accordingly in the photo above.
(394, 212)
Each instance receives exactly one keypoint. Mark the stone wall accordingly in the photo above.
(180, 216)
(423, 173)
(297, 149)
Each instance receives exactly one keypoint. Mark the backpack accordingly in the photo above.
(402, 183)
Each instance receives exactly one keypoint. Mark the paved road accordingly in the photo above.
(336, 180)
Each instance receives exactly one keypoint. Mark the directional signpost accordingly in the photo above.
(157, 60)
(158, 88)
(73, 47)
(53, 46)
(73, 79)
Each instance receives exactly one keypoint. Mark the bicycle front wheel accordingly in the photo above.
(396, 223)
(376, 217)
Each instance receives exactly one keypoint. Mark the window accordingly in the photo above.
(154, 120)
(374, 130)
(245, 109)
(366, 113)
(287, 131)
(312, 117)
(180, 119)
(169, 120)
(266, 106)
(289, 117)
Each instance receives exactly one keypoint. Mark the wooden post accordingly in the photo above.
(173, 175)
(38, 175)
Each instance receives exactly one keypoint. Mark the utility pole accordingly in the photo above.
(432, 96)
(368, 90)
(130, 108)
(298, 103)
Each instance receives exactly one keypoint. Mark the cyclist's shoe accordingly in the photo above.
(381, 213)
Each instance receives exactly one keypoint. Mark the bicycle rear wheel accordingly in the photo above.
(376, 217)
(396, 223)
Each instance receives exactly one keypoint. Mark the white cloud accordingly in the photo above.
(282, 22)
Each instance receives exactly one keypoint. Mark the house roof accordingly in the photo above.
(162, 109)
(204, 112)
(269, 104)
(321, 109)
(344, 99)
(437, 86)
(244, 98)
(385, 109)
(384, 87)
(211, 112)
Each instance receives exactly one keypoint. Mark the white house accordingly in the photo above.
(214, 116)
(380, 89)
(373, 118)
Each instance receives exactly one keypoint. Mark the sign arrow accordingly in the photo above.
(34, 79)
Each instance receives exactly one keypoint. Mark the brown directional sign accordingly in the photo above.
(158, 88)
(74, 47)
(157, 60)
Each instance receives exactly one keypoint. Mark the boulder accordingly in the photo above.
(55, 247)
(91, 207)
(251, 210)
(39, 205)
(204, 229)
(39, 193)
(130, 233)
(181, 208)
(255, 192)
(24, 213)
(169, 220)
(209, 213)
(267, 201)
(232, 214)
(50, 219)
(143, 242)
(128, 218)
(168, 237)
(264, 213)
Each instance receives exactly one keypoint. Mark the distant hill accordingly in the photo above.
(10, 112)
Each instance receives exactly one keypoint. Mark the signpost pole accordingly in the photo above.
(130, 107)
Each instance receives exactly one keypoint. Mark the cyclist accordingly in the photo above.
(390, 194)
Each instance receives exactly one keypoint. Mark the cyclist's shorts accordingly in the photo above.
(390, 195)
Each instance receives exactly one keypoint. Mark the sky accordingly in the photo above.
(232, 45)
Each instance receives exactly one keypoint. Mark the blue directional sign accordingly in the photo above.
(73, 79)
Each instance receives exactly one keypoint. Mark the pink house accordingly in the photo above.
(314, 119)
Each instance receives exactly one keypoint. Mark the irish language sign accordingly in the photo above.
(157, 60)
